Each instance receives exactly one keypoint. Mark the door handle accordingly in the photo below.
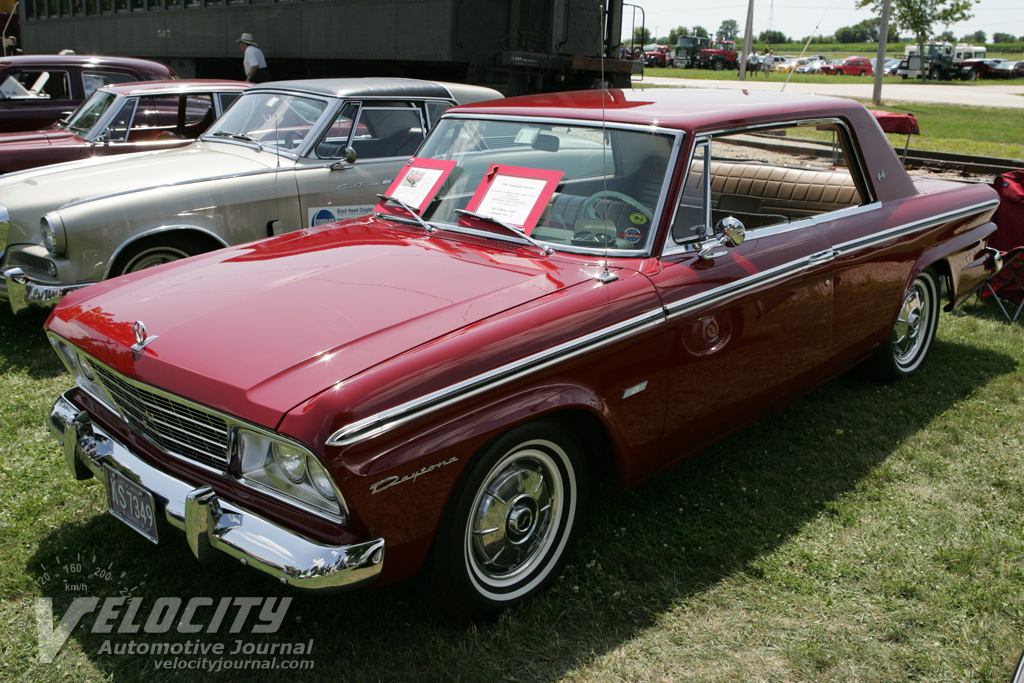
(821, 257)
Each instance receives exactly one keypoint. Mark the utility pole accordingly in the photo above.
(748, 40)
(883, 42)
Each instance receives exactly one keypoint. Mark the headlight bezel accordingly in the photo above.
(54, 236)
(256, 452)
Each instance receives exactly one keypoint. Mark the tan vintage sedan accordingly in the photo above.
(286, 155)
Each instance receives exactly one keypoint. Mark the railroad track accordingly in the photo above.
(960, 163)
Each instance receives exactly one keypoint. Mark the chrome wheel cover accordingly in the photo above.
(911, 333)
(517, 518)
(154, 257)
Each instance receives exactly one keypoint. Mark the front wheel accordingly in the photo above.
(935, 75)
(718, 65)
(509, 526)
(154, 252)
(912, 335)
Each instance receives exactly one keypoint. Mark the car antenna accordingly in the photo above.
(606, 275)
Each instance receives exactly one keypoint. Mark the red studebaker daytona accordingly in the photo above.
(555, 288)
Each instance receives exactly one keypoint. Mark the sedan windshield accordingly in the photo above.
(90, 112)
(269, 119)
(607, 183)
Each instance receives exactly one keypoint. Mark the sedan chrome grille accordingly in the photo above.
(19, 259)
(175, 426)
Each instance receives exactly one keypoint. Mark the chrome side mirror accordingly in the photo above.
(729, 232)
(346, 160)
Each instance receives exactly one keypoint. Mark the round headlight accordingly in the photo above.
(320, 480)
(53, 233)
(291, 461)
(86, 368)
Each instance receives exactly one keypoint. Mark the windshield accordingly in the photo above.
(608, 182)
(270, 119)
(90, 112)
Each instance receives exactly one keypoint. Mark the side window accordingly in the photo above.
(117, 131)
(435, 109)
(92, 79)
(37, 84)
(385, 133)
(226, 99)
(334, 142)
(691, 215)
(776, 176)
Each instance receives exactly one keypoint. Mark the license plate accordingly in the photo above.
(131, 504)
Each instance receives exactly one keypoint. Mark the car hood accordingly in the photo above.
(257, 329)
(51, 187)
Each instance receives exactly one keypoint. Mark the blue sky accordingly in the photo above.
(799, 18)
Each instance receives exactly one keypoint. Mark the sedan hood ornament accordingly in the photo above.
(141, 337)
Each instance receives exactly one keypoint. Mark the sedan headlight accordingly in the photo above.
(285, 467)
(54, 237)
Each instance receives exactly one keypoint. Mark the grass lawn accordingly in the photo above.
(863, 533)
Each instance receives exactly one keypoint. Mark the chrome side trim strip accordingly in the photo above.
(406, 412)
(910, 228)
(181, 183)
(715, 296)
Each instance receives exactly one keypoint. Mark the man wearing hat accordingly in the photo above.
(254, 63)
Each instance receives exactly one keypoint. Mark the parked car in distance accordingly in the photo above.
(851, 66)
(811, 67)
(557, 288)
(660, 56)
(121, 119)
(287, 155)
(38, 90)
(973, 69)
(891, 66)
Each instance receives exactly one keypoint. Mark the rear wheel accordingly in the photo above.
(971, 75)
(154, 252)
(511, 523)
(912, 335)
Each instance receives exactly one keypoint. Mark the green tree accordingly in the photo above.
(772, 37)
(917, 16)
(675, 34)
(641, 36)
(1003, 38)
(978, 37)
(946, 36)
(701, 32)
(728, 30)
(851, 34)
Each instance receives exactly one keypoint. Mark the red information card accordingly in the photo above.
(513, 195)
(417, 184)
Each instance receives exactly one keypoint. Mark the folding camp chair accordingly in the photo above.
(1008, 283)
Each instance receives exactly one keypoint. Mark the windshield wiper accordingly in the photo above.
(518, 232)
(234, 136)
(425, 225)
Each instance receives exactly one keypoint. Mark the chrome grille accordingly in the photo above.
(175, 426)
(19, 259)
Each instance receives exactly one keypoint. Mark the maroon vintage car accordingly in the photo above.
(120, 119)
(38, 90)
(555, 288)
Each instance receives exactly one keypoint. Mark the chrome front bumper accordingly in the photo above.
(23, 292)
(211, 523)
